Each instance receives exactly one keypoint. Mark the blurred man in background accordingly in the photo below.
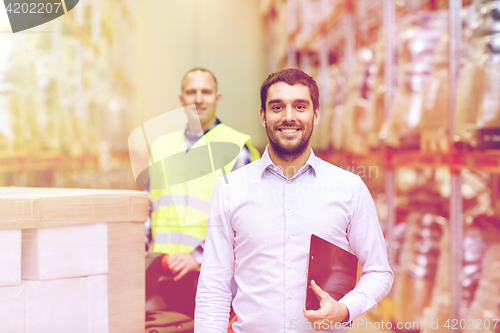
(181, 242)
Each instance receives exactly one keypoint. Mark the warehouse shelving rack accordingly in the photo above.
(21, 163)
(103, 33)
(455, 160)
(483, 161)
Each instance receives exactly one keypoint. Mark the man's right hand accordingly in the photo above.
(180, 264)
(330, 309)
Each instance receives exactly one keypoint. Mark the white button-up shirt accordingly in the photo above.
(261, 221)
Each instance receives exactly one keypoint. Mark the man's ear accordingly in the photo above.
(217, 98)
(262, 116)
(317, 115)
(181, 99)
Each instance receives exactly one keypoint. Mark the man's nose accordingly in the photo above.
(197, 98)
(289, 113)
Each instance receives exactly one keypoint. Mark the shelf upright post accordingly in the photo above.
(390, 53)
(456, 219)
(306, 29)
(271, 39)
(389, 79)
(324, 48)
(350, 39)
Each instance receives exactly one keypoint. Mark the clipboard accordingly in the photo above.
(332, 268)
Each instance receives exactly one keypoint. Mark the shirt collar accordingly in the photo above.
(199, 135)
(267, 163)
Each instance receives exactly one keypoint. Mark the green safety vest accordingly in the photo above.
(180, 211)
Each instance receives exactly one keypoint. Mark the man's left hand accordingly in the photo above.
(182, 263)
(329, 309)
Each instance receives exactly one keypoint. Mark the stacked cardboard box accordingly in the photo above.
(67, 265)
(11, 291)
(71, 260)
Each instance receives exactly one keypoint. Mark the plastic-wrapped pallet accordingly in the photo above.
(435, 106)
(488, 118)
(356, 120)
(377, 99)
(467, 103)
(484, 311)
(417, 48)
(415, 281)
(474, 247)
(398, 234)
(368, 17)
(478, 107)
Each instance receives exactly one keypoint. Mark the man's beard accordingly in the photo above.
(286, 152)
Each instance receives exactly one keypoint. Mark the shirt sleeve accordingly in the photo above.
(198, 253)
(368, 244)
(213, 297)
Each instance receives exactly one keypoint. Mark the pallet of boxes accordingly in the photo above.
(71, 260)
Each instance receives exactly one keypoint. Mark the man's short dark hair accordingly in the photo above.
(198, 69)
(290, 76)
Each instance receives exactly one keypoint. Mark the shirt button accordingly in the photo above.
(289, 182)
(289, 208)
(290, 296)
(289, 236)
(289, 266)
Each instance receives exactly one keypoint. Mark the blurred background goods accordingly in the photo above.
(395, 77)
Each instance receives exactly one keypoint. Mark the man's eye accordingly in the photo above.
(300, 107)
(276, 108)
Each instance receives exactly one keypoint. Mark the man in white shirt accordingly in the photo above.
(263, 218)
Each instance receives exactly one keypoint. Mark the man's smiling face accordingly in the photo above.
(289, 118)
(199, 88)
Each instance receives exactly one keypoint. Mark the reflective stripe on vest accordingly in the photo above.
(181, 200)
(178, 238)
